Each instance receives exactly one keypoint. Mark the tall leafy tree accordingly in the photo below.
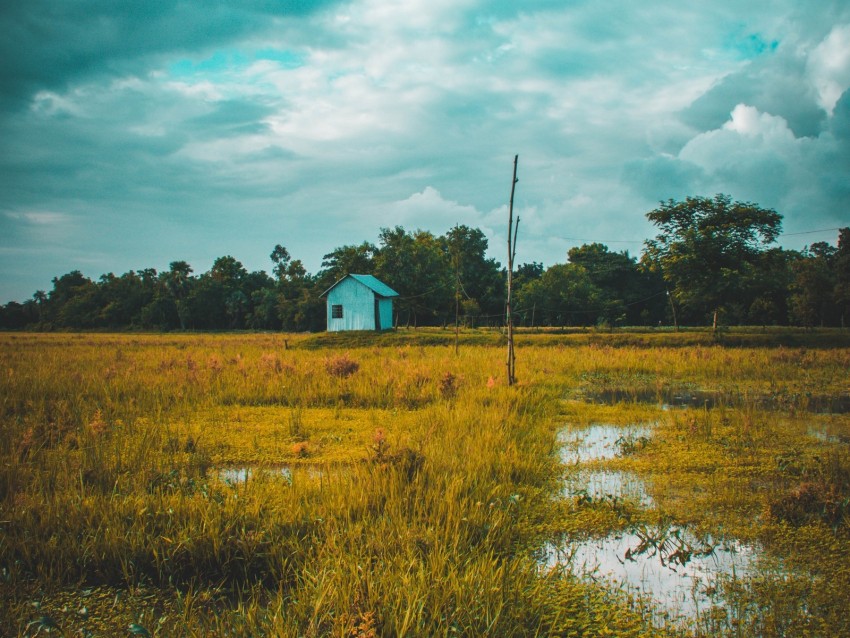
(217, 301)
(563, 295)
(121, 299)
(414, 265)
(17, 316)
(178, 283)
(766, 288)
(706, 245)
(73, 301)
(264, 310)
(526, 273)
(293, 288)
(627, 293)
(39, 297)
(813, 286)
(345, 260)
(480, 284)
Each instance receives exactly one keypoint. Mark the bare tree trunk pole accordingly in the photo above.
(511, 362)
(673, 309)
(457, 296)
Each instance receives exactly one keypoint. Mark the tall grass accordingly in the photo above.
(425, 491)
(106, 480)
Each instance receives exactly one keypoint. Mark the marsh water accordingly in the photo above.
(611, 485)
(601, 441)
(822, 433)
(672, 398)
(238, 475)
(679, 573)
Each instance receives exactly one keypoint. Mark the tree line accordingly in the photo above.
(711, 261)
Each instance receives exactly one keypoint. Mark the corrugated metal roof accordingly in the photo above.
(371, 282)
(376, 284)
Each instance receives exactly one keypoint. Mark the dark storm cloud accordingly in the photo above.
(46, 44)
(775, 84)
(663, 177)
(841, 118)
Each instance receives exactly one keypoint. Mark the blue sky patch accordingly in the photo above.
(747, 46)
(225, 60)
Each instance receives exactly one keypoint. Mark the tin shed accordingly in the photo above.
(359, 302)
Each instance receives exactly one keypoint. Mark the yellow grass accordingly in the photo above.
(419, 488)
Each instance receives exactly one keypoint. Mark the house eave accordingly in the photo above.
(378, 294)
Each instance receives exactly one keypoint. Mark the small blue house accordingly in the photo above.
(360, 302)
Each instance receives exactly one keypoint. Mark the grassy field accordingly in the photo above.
(384, 485)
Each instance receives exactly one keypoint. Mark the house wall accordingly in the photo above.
(358, 307)
(386, 312)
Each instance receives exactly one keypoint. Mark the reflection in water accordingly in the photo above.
(675, 569)
(821, 433)
(597, 485)
(600, 442)
(240, 475)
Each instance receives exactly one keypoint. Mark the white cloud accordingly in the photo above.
(428, 209)
(755, 156)
(829, 66)
(38, 218)
(770, 129)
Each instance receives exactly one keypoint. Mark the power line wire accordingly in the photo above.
(809, 232)
(592, 241)
(640, 241)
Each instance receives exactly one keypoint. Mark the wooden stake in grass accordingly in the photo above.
(457, 293)
(511, 362)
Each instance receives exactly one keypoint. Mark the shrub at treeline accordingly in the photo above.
(712, 258)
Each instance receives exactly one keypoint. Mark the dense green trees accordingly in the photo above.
(596, 287)
(813, 286)
(422, 267)
(359, 260)
(562, 296)
(707, 248)
(842, 275)
(710, 257)
(413, 265)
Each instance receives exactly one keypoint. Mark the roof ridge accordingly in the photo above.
(370, 281)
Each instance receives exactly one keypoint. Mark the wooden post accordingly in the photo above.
(673, 309)
(457, 291)
(511, 362)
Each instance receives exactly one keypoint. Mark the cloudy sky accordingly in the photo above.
(133, 134)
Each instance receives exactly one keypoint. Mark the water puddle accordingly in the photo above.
(668, 399)
(671, 567)
(680, 573)
(240, 475)
(602, 441)
(608, 485)
(822, 434)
